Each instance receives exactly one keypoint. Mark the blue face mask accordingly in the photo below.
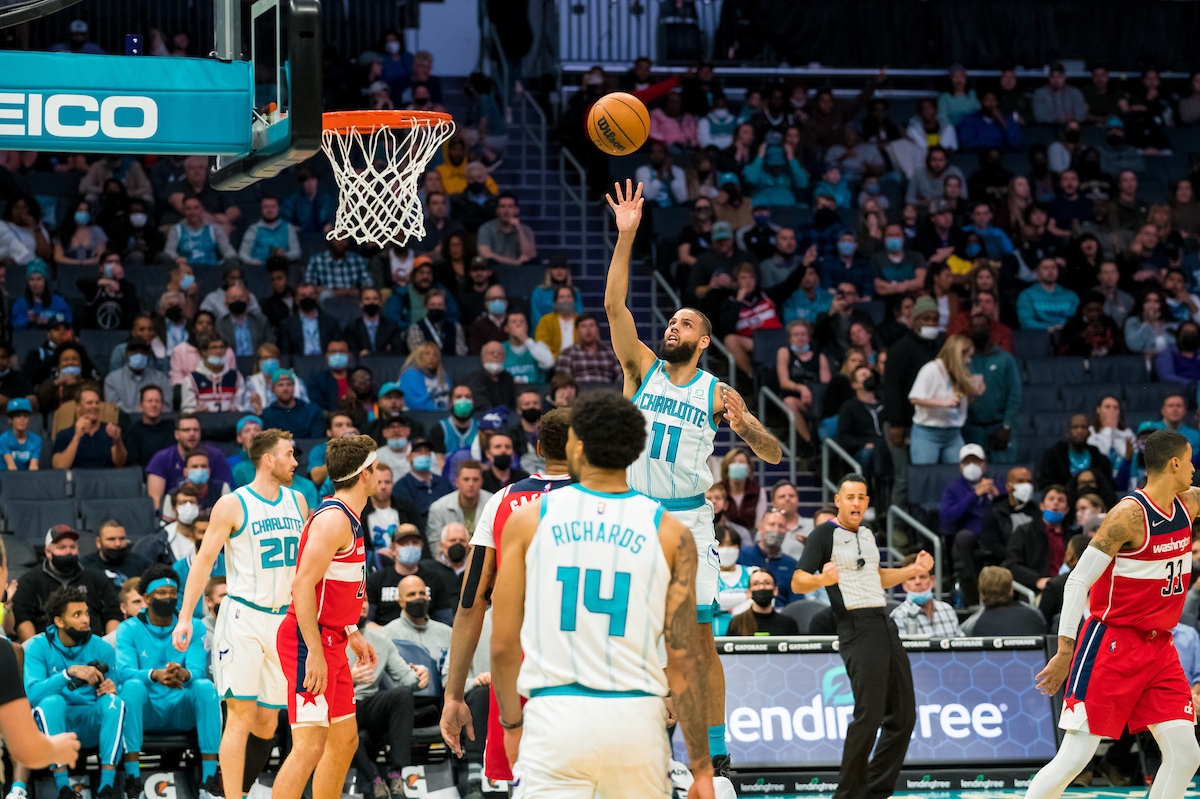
(269, 367)
(215, 361)
(801, 350)
(738, 471)
(920, 597)
(138, 361)
(186, 282)
(846, 248)
(872, 188)
(73, 371)
(973, 250)
(397, 444)
(197, 476)
(894, 243)
(1052, 517)
(422, 463)
(497, 307)
(338, 360)
(409, 555)
(82, 217)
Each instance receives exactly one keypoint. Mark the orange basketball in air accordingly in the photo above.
(618, 123)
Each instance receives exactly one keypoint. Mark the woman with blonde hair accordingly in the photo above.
(423, 380)
(939, 396)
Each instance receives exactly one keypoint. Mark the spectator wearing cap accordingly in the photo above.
(394, 433)
(502, 465)
(714, 267)
(123, 387)
(151, 432)
(77, 41)
(372, 334)
(309, 330)
(61, 569)
(920, 613)
(988, 126)
(492, 384)
(1116, 154)
(489, 325)
(731, 205)
(114, 557)
(1057, 103)
(383, 596)
(834, 184)
(302, 419)
(389, 404)
(589, 359)
(239, 462)
(663, 183)
(21, 449)
(775, 176)
(463, 504)
(967, 501)
(39, 307)
(421, 487)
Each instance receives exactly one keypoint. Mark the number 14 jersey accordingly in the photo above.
(680, 431)
(260, 556)
(1145, 589)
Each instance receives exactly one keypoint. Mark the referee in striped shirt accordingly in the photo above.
(844, 558)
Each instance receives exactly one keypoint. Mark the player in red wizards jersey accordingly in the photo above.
(1121, 666)
(477, 586)
(327, 598)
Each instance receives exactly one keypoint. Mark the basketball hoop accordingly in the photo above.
(377, 159)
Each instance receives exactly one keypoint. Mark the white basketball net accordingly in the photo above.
(377, 172)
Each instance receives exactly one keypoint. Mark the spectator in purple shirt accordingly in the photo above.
(967, 500)
(1180, 363)
(166, 468)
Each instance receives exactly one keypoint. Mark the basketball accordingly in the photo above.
(618, 123)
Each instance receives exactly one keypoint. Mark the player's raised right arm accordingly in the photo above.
(226, 517)
(687, 673)
(635, 357)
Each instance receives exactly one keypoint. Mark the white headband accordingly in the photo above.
(370, 459)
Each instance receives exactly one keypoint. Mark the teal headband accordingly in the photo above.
(161, 582)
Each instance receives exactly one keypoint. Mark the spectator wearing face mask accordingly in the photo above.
(767, 554)
(763, 618)
(966, 502)
(213, 387)
(1037, 549)
(383, 592)
(198, 472)
(1004, 517)
(61, 569)
(421, 487)
(1050, 604)
(747, 502)
(733, 580)
(113, 556)
(123, 387)
(920, 613)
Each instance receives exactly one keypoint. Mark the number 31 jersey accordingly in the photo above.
(680, 431)
(1145, 589)
(595, 596)
(260, 556)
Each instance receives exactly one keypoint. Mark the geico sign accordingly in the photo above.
(37, 115)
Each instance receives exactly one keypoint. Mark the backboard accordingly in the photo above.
(282, 40)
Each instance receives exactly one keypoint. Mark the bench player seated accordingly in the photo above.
(70, 679)
(164, 691)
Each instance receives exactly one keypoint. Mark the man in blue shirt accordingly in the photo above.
(995, 240)
(1174, 411)
(69, 693)
(846, 267)
(767, 554)
(20, 448)
(301, 419)
(421, 487)
(160, 692)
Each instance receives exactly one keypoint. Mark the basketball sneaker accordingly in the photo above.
(17, 792)
(213, 787)
(722, 766)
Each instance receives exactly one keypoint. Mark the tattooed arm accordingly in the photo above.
(733, 408)
(1122, 528)
(687, 674)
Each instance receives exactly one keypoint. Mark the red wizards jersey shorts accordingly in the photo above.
(337, 702)
(1124, 676)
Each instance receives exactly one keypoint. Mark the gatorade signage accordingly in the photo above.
(789, 702)
(70, 102)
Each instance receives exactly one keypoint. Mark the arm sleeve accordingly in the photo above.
(1087, 571)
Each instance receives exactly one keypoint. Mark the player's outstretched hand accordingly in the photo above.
(316, 672)
(182, 635)
(512, 745)
(627, 208)
(456, 717)
(1051, 678)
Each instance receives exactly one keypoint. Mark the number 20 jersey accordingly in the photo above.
(260, 556)
(1145, 589)
(680, 431)
(595, 596)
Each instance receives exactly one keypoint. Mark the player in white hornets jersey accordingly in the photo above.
(593, 578)
(259, 527)
(682, 407)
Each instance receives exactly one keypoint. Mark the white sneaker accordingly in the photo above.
(723, 788)
(17, 793)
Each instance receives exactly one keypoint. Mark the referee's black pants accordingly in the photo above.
(881, 679)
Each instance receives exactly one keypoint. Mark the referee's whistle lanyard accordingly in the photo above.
(861, 562)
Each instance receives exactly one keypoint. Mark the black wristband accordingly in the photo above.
(508, 726)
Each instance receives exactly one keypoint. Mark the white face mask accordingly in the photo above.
(972, 471)
(187, 512)
(728, 556)
(1022, 492)
(393, 47)
(493, 368)
(928, 333)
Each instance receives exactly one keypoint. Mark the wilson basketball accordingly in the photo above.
(618, 123)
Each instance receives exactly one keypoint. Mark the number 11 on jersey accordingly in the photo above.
(672, 433)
